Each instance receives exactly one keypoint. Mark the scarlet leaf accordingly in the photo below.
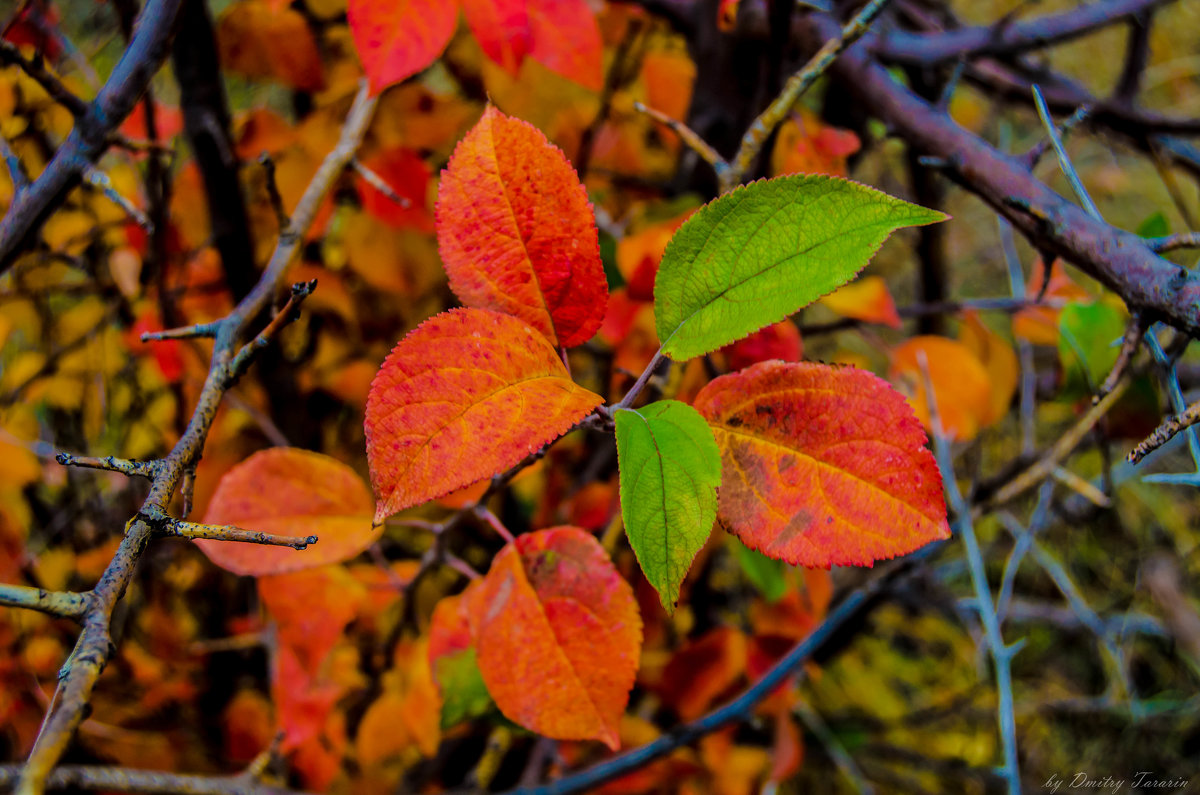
(516, 231)
(396, 39)
(502, 29)
(560, 639)
(465, 395)
(289, 492)
(822, 466)
(407, 175)
(566, 40)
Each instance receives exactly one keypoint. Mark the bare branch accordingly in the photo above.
(63, 604)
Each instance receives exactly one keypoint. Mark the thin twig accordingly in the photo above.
(199, 330)
(762, 127)
(1163, 433)
(145, 782)
(143, 469)
(1001, 652)
(36, 68)
(686, 134)
(1129, 347)
(380, 184)
(268, 164)
(1064, 161)
(63, 604)
(99, 180)
(1172, 242)
(1042, 468)
(16, 172)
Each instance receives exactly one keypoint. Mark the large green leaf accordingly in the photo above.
(763, 251)
(670, 470)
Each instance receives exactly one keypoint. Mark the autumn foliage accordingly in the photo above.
(552, 452)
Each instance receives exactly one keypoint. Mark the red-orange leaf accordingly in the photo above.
(516, 231)
(396, 39)
(465, 395)
(822, 465)
(502, 29)
(259, 42)
(566, 40)
(290, 492)
(561, 636)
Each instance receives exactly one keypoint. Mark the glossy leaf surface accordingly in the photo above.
(290, 492)
(670, 470)
(763, 251)
(465, 395)
(822, 465)
(559, 642)
(516, 231)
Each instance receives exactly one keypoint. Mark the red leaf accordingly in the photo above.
(777, 341)
(502, 29)
(465, 395)
(561, 636)
(516, 231)
(290, 492)
(822, 465)
(566, 40)
(407, 174)
(396, 39)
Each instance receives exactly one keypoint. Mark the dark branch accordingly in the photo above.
(1005, 39)
(92, 133)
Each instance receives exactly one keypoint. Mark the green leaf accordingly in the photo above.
(1088, 343)
(765, 574)
(1155, 225)
(765, 250)
(670, 470)
(464, 695)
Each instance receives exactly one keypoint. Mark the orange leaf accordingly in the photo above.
(396, 39)
(311, 609)
(566, 40)
(561, 636)
(465, 395)
(259, 42)
(502, 29)
(289, 492)
(961, 387)
(864, 299)
(822, 465)
(516, 231)
(998, 358)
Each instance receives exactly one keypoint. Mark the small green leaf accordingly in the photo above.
(670, 470)
(765, 574)
(1088, 343)
(464, 695)
(765, 250)
(1155, 225)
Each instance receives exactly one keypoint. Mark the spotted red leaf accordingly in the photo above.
(822, 465)
(516, 231)
(465, 395)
